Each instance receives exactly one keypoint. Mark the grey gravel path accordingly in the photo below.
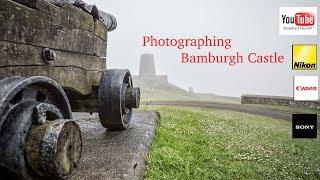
(115, 155)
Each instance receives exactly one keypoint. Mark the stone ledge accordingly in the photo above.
(115, 155)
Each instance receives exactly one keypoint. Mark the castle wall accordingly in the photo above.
(154, 80)
(278, 100)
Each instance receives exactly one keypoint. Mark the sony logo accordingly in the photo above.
(304, 127)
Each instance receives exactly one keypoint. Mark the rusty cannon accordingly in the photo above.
(53, 63)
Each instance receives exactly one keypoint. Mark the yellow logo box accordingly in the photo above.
(304, 57)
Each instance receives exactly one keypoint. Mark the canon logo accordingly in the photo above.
(300, 19)
(302, 88)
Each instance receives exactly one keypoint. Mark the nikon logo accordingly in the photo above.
(303, 65)
(304, 57)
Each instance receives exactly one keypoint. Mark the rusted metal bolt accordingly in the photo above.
(48, 55)
(42, 110)
(41, 115)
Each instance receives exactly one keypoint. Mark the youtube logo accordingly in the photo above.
(298, 21)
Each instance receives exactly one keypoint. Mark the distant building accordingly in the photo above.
(147, 72)
(155, 86)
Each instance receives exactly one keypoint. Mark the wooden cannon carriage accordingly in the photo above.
(53, 63)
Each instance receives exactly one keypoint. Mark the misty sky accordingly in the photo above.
(252, 25)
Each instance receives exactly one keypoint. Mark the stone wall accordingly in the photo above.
(156, 80)
(278, 100)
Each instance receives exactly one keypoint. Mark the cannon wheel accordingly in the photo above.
(116, 98)
(33, 142)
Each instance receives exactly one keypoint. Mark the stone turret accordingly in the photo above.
(147, 65)
(147, 72)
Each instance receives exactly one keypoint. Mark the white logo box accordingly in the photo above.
(306, 82)
(297, 30)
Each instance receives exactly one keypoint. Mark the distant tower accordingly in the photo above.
(147, 65)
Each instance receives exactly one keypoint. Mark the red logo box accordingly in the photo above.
(304, 19)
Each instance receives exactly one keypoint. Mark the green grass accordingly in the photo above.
(214, 144)
(286, 108)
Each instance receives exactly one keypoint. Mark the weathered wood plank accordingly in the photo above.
(101, 30)
(69, 15)
(13, 54)
(21, 24)
(82, 20)
(29, 3)
(72, 78)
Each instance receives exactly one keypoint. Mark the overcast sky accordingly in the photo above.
(252, 25)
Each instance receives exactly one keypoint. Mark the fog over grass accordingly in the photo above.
(252, 26)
